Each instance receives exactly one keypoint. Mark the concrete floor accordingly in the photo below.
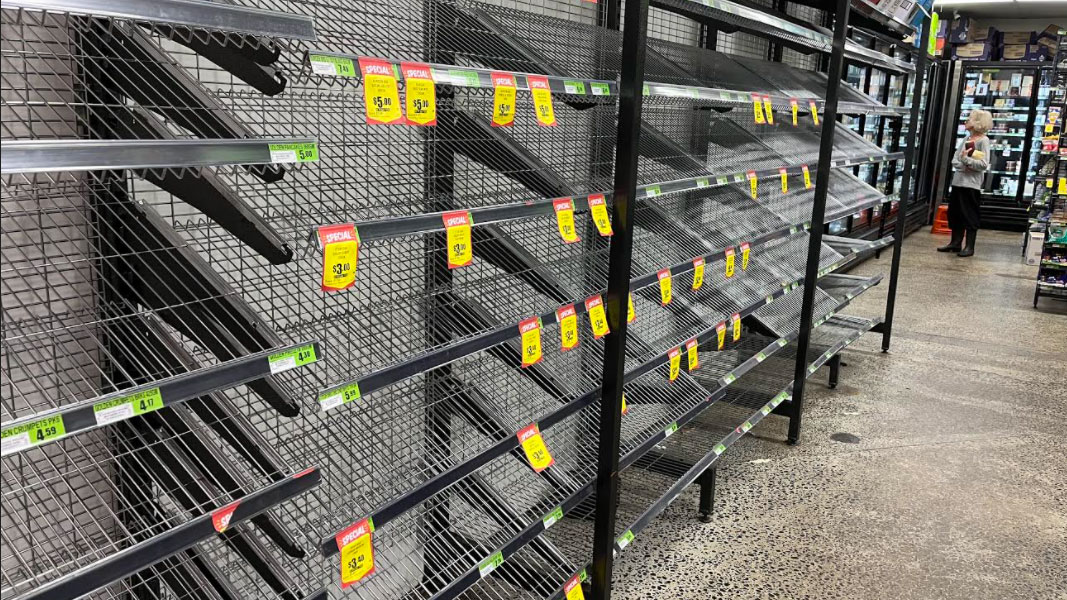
(957, 487)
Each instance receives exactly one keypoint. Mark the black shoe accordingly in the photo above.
(955, 244)
(950, 248)
(968, 251)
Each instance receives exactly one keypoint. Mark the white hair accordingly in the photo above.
(981, 121)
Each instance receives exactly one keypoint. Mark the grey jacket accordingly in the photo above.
(970, 170)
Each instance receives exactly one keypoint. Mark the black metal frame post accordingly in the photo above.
(631, 79)
(818, 213)
(905, 185)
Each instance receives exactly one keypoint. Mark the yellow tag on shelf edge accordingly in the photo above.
(625, 408)
(504, 92)
(746, 250)
(736, 320)
(340, 255)
(814, 112)
(542, 98)
(757, 109)
(795, 109)
(730, 262)
(807, 177)
(564, 208)
(1061, 186)
(698, 272)
(784, 175)
(598, 318)
(573, 589)
(567, 318)
(753, 183)
(692, 351)
(357, 552)
(458, 238)
(420, 94)
(381, 96)
(768, 110)
(599, 210)
(675, 356)
(534, 446)
(664, 277)
(530, 334)
(720, 333)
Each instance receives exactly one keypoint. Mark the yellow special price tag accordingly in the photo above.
(692, 353)
(420, 94)
(357, 552)
(757, 109)
(542, 97)
(625, 408)
(534, 446)
(458, 238)
(784, 175)
(503, 99)
(598, 318)
(720, 334)
(573, 589)
(730, 262)
(735, 319)
(807, 177)
(1061, 185)
(1048, 183)
(340, 255)
(753, 184)
(599, 210)
(1049, 128)
(814, 112)
(768, 110)
(564, 208)
(568, 327)
(381, 96)
(530, 334)
(674, 356)
(698, 272)
(795, 110)
(630, 314)
(664, 277)
(746, 251)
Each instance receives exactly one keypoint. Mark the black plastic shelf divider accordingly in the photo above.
(32, 431)
(144, 554)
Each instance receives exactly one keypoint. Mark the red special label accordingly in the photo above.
(221, 517)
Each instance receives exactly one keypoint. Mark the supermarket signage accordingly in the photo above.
(291, 359)
(20, 437)
(293, 153)
(357, 552)
(339, 66)
(490, 564)
(339, 396)
(127, 407)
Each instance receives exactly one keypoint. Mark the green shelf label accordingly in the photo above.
(719, 449)
(652, 191)
(703, 183)
(464, 78)
(644, 90)
(760, 357)
(553, 517)
(670, 429)
(490, 564)
(746, 426)
(730, 378)
(782, 342)
(126, 407)
(20, 437)
(291, 359)
(574, 87)
(766, 410)
(294, 153)
(599, 89)
(322, 64)
(625, 539)
(339, 396)
(722, 180)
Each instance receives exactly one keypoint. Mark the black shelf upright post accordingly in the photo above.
(905, 185)
(818, 213)
(631, 80)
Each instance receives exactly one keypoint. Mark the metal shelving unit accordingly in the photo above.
(1048, 209)
(304, 300)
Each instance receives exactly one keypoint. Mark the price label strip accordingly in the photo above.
(698, 272)
(564, 208)
(339, 66)
(490, 564)
(420, 94)
(757, 110)
(20, 437)
(340, 255)
(692, 353)
(127, 407)
(665, 295)
(458, 238)
(542, 98)
(784, 175)
(553, 517)
(730, 262)
(746, 251)
(675, 361)
(293, 153)
(598, 318)
(599, 210)
(339, 397)
(568, 327)
(736, 320)
(807, 177)
(503, 99)
(357, 552)
(291, 359)
(753, 184)
(381, 96)
(534, 446)
(530, 334)
(720, 334)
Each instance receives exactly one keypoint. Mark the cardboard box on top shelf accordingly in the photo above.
(1026, 52)
(1016, 38)
(975, 51)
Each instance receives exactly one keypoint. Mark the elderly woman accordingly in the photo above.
(969, 163)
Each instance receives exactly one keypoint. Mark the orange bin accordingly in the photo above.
(941, 220)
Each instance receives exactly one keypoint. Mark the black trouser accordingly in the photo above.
(964, 209)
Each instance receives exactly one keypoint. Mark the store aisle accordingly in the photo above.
(949, 484)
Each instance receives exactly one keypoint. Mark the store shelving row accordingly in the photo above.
(270, 334)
